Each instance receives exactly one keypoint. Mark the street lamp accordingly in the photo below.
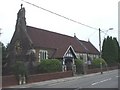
(100, 46)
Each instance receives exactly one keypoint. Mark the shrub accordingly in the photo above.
(96, 62)
(49, 65)
(19, 69)
(79, 66)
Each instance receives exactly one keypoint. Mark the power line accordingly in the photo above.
(62, 16)
(91, 34)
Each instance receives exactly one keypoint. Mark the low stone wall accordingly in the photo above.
(11, 80)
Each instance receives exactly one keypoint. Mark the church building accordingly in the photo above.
(31, 44)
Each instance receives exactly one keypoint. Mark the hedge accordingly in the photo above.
(79, 66)
(49, 65)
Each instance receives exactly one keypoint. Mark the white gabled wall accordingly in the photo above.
(82, 56)
(68, 50)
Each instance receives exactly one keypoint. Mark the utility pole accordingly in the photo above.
(101, 67)
(100, 41)
(100, 50)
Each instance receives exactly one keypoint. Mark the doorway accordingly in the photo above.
(68, 63)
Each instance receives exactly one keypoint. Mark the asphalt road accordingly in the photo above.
(108, 79)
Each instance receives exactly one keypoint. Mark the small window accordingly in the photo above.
(43, 54)
(69, 54)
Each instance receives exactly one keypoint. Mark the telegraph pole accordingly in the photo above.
(100, 50)
(100, 41)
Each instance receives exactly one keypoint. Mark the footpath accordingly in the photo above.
(56, 80)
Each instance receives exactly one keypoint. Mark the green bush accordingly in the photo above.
(49, 65)
(19, 69)
(96, 63)
(79, 66)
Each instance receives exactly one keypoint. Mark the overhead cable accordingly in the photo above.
(62, 16)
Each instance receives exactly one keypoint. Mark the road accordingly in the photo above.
(108, 79)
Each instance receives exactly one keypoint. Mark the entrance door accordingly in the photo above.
(68, 63)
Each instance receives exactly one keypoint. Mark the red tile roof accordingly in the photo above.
(47, 39)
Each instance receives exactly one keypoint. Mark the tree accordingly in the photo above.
(4, 53)
(104, 48)
(110, 50)
(116, 48)
(119, 55)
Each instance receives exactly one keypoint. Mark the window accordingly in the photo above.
(69, 54)
(43, 54)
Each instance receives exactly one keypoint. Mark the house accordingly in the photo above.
(31, 44)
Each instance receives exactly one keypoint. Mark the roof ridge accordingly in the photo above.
(54, 32)
(50, 31)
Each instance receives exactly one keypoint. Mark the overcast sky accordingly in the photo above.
(96, 13)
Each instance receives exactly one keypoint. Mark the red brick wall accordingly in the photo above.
(49, 76)
(95, 70)
(11, 80)
(112, 68)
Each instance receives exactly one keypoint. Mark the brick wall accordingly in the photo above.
(49, 76)
(95, 70)
(11, 80)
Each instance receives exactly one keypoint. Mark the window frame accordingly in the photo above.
(43, 54)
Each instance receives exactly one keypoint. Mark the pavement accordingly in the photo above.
(56, 80)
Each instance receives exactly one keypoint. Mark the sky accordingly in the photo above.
(101, 14)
